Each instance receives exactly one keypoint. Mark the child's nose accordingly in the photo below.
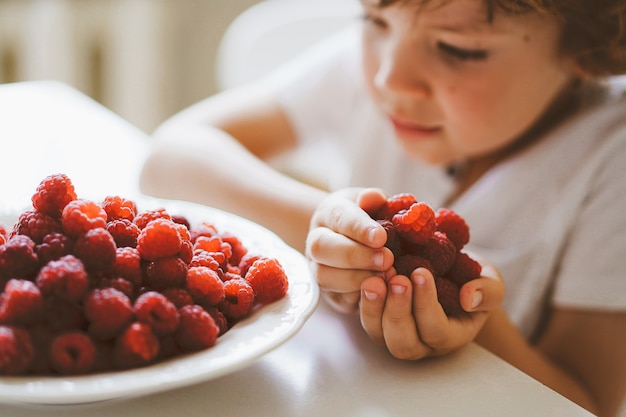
(401, 71)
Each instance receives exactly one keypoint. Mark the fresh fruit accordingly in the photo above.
(419, 237)
(93, 287)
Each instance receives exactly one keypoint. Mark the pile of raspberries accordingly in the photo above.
(92, 287)
(419, 237)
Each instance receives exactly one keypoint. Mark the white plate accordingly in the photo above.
(243, 344)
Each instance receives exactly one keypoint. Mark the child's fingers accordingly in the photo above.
(483, 294)
(372, 304)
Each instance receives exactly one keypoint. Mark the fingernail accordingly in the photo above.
(419, 279)
(477, 298)
(378, 259)
(398, 289)
(371, 234)
(370, 295)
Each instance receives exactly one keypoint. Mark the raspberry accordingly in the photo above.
(204, 258)
(108, 311)
(203, 229)
(448, 296)
(464, 269)
(18, 258)
(454, 226)
(441, 253)
(186, 251)
(16, 350)
(238, 298)
(127, 265)
(268, 280)
(122, 285)
(72, 353)
(393, 238)
(238, 250)
(96, 248)
(136, 346)
(53, 193)
(118, 208)
(165, 273)
(178, 296)
(220, 319)
(142, 219)
(394, 205)
(79, 216)
(36, 225)
(54, 246)
(417, 224)
(124, 232)
(61, 314)
(21, 303)
(208, 243)
(246, 262)
(159, 239)
(158, 312)
(406, 264)
(65, 278)
(41, 337)
(197, 329)
(205, 286)
(180, 219)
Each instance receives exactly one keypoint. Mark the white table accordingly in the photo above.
(329, 368)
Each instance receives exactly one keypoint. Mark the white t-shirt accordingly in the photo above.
(552, 218)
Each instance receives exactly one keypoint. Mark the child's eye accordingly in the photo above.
(463, 54)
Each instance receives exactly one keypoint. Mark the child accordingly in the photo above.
(505, 111)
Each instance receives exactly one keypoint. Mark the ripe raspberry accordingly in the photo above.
(79, 216)
(127, 265)
(41, 337)
(65, 277)
(406, 264)
(18, 258)
(181, 219)
(136, 346)
(96, 248)
(203, 229)
(454, 226)
(246, 262)
(464, 269)
(124, 232)
(208, 243)
(159, 239)
(21, 303)
(53, 193)
(197, 329)
(165, 273)
(54, 246)
(108, 311)
(204, 258)
(238, 250)
(4, 235)
(118, 208)
(72, 353)
(36, 225)
(220, 319)
(142, 219)
(158, 312)
(16, 350)
(178, 296)
(417, 224)
(205, 286)
(238, 298)
(121, 284)
(448, 296)
(268, 280)
(394, 205)
(441, 253)
(186, 251)
(393, 242)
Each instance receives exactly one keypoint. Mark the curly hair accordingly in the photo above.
(594, 31)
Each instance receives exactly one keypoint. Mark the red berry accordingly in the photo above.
(36, 225)
(18, 258)
(441, 253)
(53, 193)
(16, 350)
(127, 265)
(108, 311)
(406, 264)
(96, 248)
(448, 296)
(136, 346)
(178, 296)
(142, 219)
(72, 352)
(117, 208)
(268, 280)
(464, 269)
(454, 226)
(21, 303)
(417, 224)
(197, 329)
(54, 246)
(238, 250)
(238, 298)
(394, 205)
(65, 277)
(124, 232)
(205, 286)
(62, 314)
(165, 273)
(79, 216)
(158, 312)
(159, 239)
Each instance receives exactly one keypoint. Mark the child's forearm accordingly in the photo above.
(207, 166)
(503, 339)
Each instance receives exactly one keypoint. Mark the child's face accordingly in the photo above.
(454, 85)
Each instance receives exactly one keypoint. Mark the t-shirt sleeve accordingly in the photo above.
(593, 269)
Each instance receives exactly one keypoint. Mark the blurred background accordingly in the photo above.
(143, 59)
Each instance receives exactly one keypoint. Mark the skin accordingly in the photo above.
(456, 88)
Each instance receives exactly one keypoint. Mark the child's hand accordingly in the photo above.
(405, 316)
(346, 246)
